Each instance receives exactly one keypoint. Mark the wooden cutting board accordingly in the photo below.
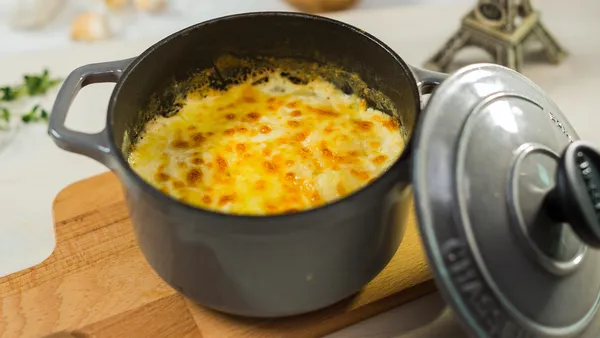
(96, 283)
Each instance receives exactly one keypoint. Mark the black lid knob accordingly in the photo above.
(576, 197)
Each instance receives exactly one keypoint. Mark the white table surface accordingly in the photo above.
(33, 169)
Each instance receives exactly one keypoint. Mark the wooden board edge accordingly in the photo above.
(66, 189)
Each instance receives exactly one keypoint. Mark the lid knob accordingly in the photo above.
(576, 197)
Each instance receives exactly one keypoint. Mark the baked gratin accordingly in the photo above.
(266, 147)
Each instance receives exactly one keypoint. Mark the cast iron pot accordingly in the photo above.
(260, 266)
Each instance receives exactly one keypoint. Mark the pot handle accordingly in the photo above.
(427, 80)
(91, 145)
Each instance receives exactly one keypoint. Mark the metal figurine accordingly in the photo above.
(500, 27)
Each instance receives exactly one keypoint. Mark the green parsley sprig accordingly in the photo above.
(35, 114)
(32, 85)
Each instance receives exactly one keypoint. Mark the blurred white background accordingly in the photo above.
(132, 24)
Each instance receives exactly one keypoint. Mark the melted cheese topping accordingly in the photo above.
(267, 148)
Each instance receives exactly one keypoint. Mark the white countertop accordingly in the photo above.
(29, 182)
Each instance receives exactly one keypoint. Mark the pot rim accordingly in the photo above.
(123, 166)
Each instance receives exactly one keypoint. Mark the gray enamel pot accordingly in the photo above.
(260, 266)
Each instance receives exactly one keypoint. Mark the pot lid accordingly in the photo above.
(508, 202)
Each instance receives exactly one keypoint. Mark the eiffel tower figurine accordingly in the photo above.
(500, 27)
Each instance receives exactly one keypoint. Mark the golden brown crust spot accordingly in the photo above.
(161, 177)
(198, 138)
(380, 159)
(180, 144)
(270, 167)
(361, 175)
(206, 199)
(253, 116)
(226, 199)
(325, 150)
(265, 129)
(230, 116)
(293, 123)
(364, 125)
(221, 163)
(392, 124)
(178, 184)
(315, 197)
(323, 112)
(193, 176)
(296, 113)
(240, 147)
(301, 136)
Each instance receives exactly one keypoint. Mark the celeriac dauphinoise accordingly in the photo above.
(266, 147)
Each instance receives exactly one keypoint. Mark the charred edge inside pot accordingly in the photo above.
(225, 51)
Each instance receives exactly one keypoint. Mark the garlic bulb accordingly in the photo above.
(150, 5)
(116, 5)
(90, 26)
(30, 14)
